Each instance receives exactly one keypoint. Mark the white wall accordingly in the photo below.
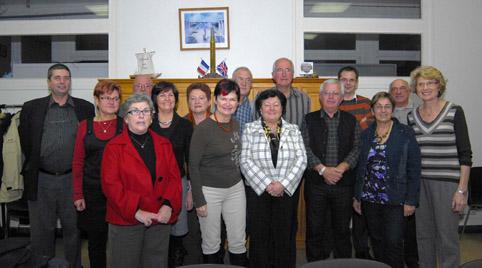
(260, 32)
(457, 45)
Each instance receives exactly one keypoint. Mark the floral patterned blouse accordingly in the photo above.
(374, 187)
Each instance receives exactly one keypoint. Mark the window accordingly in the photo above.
(371, 54)
(28, 56)
(362, 9)
(47, 9)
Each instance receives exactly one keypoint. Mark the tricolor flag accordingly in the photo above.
(203, 67)
(223, 68)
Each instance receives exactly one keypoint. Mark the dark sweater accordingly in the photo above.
(179, 134)
(214, 158)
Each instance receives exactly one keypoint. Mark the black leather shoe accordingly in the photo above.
(238, 259)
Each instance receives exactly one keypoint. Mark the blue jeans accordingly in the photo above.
(386, 225)
(319, 196)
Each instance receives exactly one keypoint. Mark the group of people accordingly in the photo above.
(163, 189)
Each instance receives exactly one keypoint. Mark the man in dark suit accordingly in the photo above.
(48, 128)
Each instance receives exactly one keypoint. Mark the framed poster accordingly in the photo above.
(195, 26)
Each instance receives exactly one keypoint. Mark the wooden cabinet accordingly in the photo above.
(310, 86)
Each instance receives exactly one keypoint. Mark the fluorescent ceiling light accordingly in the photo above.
(99, 10)
(329, 7)
(310, 36)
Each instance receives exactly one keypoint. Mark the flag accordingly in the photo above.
(203, 67)
(223, 68)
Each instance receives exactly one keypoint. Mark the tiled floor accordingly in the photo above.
(470, 244)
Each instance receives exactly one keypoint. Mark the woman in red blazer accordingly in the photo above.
(142, 183)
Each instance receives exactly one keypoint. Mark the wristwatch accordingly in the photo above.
(321, 171)
(462, 192)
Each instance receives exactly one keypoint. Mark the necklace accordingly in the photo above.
(223, 128)
(105, 129)
(381, 138)
(141, 144)
(165, 122)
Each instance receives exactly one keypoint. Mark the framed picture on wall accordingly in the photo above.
(195, 26)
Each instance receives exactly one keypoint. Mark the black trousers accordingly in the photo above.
(410, 243)
(319, 197)
(360, 234)
(97, 248)
(271, 221)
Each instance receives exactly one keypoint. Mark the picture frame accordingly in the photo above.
(195, 27)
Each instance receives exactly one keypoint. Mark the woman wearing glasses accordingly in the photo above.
(92, 136)
(388, 180)
(168, 124)
(141, 180)
(217, 186)
(441, 131)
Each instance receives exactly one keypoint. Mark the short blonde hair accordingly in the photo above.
(428, 72)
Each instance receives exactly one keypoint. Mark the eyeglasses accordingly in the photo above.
(139, 112)
(139, 86)
(108, 99)
(428, 84)
(247, 80)
(344, 80)
(334, 94)
(280, 70)
(398, 88)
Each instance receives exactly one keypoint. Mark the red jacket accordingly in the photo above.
(127, 183)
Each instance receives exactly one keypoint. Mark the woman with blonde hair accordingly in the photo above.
(441, 131)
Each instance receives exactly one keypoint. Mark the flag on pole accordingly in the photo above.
(203, 67)
(223, 68)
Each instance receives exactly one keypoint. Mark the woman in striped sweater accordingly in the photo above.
(441, 131)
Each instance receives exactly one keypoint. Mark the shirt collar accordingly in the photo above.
(323, 113)
(355, 99)
(293, 92)
(69, 101)
(245, 102)
(409, 106)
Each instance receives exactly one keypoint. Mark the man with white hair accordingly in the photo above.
(332, 141)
